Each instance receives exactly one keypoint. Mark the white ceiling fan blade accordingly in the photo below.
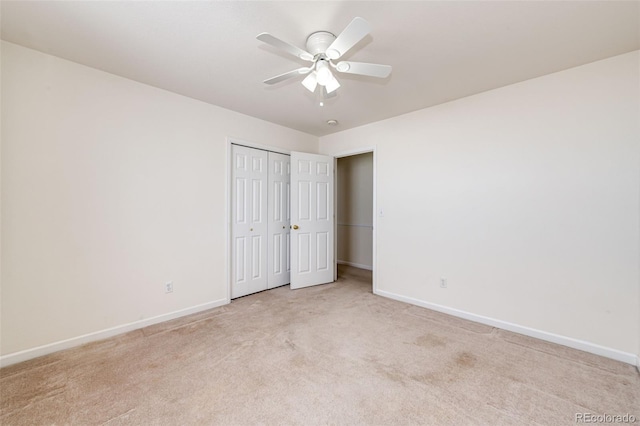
(355, 31)
(362, 68)
(287, 75)
(283, 45)
(310, 82)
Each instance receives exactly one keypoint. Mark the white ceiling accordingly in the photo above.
(439, 50)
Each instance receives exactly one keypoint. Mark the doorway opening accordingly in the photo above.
(355, 216)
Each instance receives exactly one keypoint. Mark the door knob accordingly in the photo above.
(295, 226)
(250, 229)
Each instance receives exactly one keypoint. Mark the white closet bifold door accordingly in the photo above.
(279, 220)
(249, 227)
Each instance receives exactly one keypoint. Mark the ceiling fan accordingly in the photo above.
(322, 49)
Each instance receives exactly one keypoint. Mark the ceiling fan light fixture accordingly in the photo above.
(332, 84)
(310, 82)
(324, 74)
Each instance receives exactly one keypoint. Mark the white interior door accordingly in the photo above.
(312, 233)
(279, 220)
(249, 221)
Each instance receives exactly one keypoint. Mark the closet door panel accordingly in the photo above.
(249, 228)
(279, 201)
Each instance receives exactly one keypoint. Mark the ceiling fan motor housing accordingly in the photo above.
(318, 42)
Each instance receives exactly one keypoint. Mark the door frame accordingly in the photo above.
(227, 190)
(374, 215)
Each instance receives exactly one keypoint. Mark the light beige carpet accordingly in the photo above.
(332, 354)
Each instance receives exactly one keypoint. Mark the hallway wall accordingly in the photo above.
(354, 188)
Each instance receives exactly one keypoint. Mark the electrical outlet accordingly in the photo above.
(443, 282)
(168, 287)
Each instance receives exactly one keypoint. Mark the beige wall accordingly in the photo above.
(110, 188)
(526, 198)
(354, 190)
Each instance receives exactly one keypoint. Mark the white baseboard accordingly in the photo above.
(355, 265)
(593, 348)
(28, 354)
